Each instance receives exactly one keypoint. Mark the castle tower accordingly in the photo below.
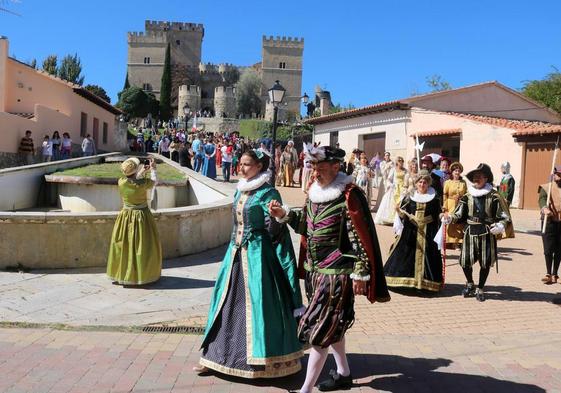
(225, 101)
(282, 61)
(146, 52)
(189, 95)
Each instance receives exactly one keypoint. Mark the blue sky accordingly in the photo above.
(364, 52)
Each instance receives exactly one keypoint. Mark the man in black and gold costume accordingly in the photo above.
(552, 236)
(486, 216)
(340, 258)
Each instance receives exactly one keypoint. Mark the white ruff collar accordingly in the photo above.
(254, 183)
(318, 194)
(424, 198)
(477, 192)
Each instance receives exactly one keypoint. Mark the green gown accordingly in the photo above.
(256, 292)
(135, 253)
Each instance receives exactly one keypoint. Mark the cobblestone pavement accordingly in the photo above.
(415, 343)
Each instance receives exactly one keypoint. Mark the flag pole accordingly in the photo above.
(550, 183)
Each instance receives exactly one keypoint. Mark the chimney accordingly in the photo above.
(3, 71)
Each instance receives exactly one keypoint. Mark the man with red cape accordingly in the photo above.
(339, 258)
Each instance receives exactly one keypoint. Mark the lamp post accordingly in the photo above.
(310, 107)
(276, 95)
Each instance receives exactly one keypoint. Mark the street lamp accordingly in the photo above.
(310, 107)
(276, 94)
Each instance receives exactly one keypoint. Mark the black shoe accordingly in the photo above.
(479, 295)
(336, 382)
(469, 290)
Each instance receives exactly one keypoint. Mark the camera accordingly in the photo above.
(146, 162)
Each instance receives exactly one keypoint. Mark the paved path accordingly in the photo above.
(415, 343)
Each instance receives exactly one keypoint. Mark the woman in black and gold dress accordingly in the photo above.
(415, 260)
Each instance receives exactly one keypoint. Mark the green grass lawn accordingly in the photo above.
(113, 170)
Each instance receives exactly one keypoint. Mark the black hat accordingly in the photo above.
(483, 168)
(325, 153)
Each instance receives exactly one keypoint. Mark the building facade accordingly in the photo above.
(34, 100)
(488, 122)
(209, 85)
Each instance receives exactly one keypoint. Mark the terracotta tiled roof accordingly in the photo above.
(366, 110)
(520, 127)
(406, 103)
(449, 131)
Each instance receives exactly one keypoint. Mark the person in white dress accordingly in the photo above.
(385, 168)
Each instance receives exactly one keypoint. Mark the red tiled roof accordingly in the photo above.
(449, 131)
(520, 127)
(366, 110)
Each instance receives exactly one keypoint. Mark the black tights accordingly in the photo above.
(552, 263)
(483, 274)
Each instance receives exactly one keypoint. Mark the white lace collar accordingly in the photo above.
(477, 192)
(254, 183)
(318, 194)
(424, 198)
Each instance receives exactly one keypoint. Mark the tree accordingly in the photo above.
(50, 64)
(127, 84)
(339, 108)
(248, 90)
(98, 91)
(546, 91)
(33, 63)
(165, 89)
(71, 69)
(152, 105)
(436, 83)
(134, 102)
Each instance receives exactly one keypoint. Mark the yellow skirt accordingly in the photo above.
(135, 253)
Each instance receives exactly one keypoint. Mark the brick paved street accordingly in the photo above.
(415, 343)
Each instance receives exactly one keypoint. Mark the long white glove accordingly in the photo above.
(497, 229)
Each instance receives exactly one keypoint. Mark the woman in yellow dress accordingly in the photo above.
(399, 180)
(454, 189)
(135, 253)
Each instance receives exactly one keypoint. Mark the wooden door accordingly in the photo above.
(537, 166)
(374, 143)
(96, 131)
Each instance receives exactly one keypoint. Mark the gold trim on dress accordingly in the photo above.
(413, 283)
(270, 370)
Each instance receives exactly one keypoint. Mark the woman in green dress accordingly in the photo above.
(135, 253)
(251, 327)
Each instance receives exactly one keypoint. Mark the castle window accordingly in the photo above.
(146, 60)
(105, 132)
(178, 42)
(282, 64)
(147, 87)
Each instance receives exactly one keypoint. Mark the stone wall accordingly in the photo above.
(72, 240)
(215, 124)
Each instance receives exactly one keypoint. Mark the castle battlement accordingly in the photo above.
(156, 25)
(189, 89)
(283, 42)
(151, 37)
(229, 91)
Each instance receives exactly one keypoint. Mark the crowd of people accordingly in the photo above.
(258, 325)
(52, 148)
(432, 208)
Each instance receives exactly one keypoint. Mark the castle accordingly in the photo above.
(205, 86)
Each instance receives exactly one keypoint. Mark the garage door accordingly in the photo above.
(536, 171)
